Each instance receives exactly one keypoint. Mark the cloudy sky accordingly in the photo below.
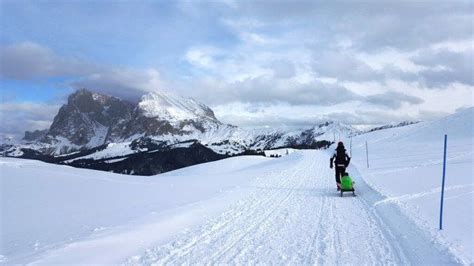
(255, 63)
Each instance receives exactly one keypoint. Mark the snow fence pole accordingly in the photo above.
(367, 153)
(442, 184)
(351, 147)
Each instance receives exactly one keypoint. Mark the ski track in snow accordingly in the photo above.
(295, 217)
(408, 197)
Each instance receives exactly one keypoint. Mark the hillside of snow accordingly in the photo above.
(405, 165)
(252, 209)
(46, 206)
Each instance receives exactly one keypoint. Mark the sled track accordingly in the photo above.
(296, 216)
(243, 212)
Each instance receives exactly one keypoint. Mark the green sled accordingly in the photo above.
(346, 183)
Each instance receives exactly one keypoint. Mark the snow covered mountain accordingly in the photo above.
(103, 132)
(91, 119)
(166, 115)
(175, 109)
(394, 125)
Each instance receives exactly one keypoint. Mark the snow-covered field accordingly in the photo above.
(45, 206)
(252, 209)
(405, 166)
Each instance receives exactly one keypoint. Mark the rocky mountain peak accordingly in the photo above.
(87, 101)
(91, 119)
(86, 119)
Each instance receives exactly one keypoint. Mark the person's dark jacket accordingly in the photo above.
(340, 157)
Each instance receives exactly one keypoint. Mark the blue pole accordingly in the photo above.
(442, 185)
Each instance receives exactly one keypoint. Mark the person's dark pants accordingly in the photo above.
(340, 170)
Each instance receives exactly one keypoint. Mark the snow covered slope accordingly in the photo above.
(45, 206)
(405, 165)
(174, 108)
(239, 210)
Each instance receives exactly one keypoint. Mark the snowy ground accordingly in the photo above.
(251, 209)
(296, 217)
(405, 166)
(45, 206)
(281, 210)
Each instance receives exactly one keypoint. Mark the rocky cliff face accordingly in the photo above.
(90, 119)
(87, 118)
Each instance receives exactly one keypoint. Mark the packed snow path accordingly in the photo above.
(296, 216)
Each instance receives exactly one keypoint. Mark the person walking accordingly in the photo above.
(340, 160)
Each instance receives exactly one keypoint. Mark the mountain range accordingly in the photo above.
(160, 132)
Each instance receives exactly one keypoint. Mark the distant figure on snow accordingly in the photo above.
(341, 160)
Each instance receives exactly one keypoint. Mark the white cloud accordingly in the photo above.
(296, 56)
(202, 56)
(253, 38)
(29, 60)
(16, 118)
(454, 46)
(390, 57)
(282, 114)
(243, 23)
(125, 83)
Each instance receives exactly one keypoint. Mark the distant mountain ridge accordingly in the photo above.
(100, 130)
(401, 124)
(91, 119)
